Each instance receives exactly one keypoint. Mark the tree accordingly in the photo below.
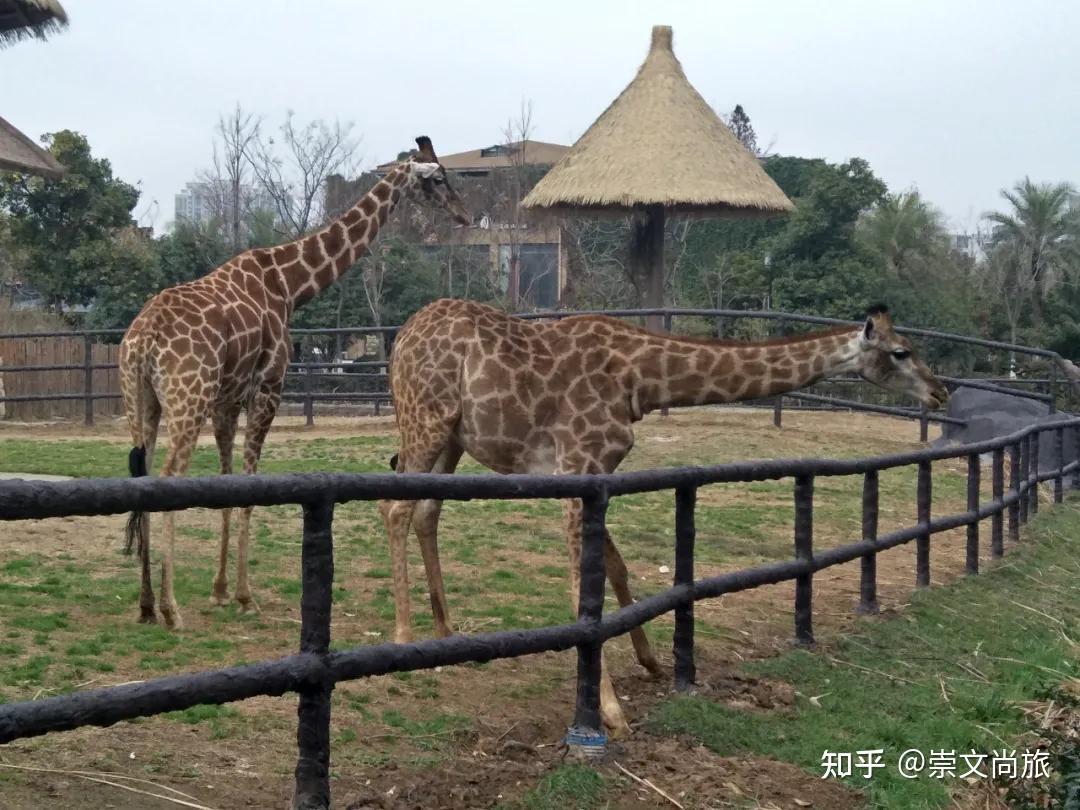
(906, 232)
(52, 219)
(294, 172)
(1043, 234)
(128, 272)
(230, 180)
(516, 133)
(739, 124)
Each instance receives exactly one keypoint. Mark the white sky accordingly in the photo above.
(956, 98)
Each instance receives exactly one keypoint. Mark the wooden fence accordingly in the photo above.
(70, 354)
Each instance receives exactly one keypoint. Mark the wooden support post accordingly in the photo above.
(868, 602)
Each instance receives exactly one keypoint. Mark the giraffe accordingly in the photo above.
(562, 396)
(220, 344)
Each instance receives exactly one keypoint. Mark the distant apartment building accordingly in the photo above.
(200, 202)
(972, 245)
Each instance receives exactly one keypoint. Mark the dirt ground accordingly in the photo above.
(517, 726)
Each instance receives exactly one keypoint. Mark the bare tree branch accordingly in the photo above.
(294, 171)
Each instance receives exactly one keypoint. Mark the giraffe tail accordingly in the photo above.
(137, 534)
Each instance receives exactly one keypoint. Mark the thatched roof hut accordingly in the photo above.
(20, 19)
(659, 143)
(658, 149)
(18, 153)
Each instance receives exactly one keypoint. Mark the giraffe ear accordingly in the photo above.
(425, 170)
(869, 331)
(427, 151)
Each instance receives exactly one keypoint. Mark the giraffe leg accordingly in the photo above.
(261, 411)
(224, 434)
(151, 420)
(610, 710)
(397, 515)
(618, 577)
(421, 448)
(183, 434)
(426, 523)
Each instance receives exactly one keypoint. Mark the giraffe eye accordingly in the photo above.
(901, 354)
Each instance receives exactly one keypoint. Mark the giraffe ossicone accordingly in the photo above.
(220, 345)
(562, 396)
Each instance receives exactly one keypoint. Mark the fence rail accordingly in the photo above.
(314, 671)
(98, 381)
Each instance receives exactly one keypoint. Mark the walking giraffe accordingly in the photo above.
(220, 344)
(561, 397)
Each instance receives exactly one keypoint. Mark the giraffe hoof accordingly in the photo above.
(248, 605)
(219, 600)
(148, 617)
(617, 729)
(653, 668)
(173, 621)
(403, 636)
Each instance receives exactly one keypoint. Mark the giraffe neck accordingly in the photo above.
(678, 372)
(326, 255)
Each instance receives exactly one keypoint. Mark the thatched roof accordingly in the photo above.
(20, 154)
(659, 143)
(20, 19)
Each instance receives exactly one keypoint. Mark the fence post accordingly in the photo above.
(804, 550)
(683, 641)
(922, 542)
(1036, 439)
(587, 736)
(973, 474)
(1053, 388)
(313, 726)
(924, 424)
(88, 380)
(997, 492)
(1025, 469)
(1059, 462)
(309, 403)
(868, 602)
(778, 410)
(1014, 487)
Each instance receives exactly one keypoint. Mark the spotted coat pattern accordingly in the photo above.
(220, 345)
(562, 397)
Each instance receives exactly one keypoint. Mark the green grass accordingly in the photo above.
(971, 641)
(64, 623)
(570, 787)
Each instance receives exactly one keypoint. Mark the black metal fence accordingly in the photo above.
(315, 670)
(313, 379)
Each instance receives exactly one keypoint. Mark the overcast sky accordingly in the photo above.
(958, 99)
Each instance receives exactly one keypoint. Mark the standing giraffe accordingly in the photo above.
(220, 344)
(561, 397)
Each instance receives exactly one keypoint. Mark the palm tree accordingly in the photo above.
(906, 231)
(1043, 235)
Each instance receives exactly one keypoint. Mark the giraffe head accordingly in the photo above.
(428, 184)
(886, 359)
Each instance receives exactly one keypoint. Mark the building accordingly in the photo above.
(200, 202)
(972, 245)
(526, 254)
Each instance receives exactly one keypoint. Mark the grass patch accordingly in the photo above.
(969, 641)
(571, 787)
